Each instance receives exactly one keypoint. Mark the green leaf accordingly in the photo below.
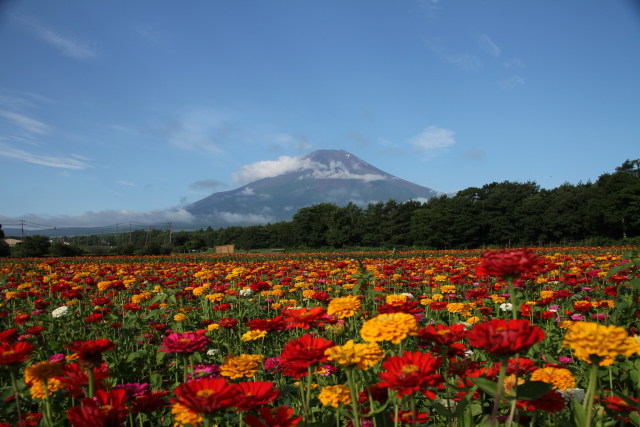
(617, 269)
(133, 356)
(533, 390)
(635, 418)
(635, 283)
(441, 409)
(485, 385)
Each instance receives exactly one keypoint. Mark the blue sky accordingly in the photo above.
(111, 110)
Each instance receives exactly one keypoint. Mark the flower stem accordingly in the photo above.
(514, 299)
(354, 397)
(500, 387)
(16, 392)
(90, 381)
(591, 391)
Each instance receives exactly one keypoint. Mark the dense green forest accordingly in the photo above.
(497, 214)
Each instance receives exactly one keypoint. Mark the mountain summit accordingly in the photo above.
(324, 176)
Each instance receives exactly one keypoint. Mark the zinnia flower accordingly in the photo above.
(90, 352)
(106, 409)
(186, 342)
(207, 395)
(363, 356)
(392, 327)
(344, 307)
(561, 378)
(509, 263)
(500, 337)
(596, 343)
(12, 354)
(283, 417)
(300, 353)
(334, 395)
(410, 373)
(256, 393)
(244, 365)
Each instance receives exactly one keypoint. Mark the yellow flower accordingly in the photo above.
(141, 297)
(213, 327)
(103, 286)
(561, 378)
(436, 297)
(392, 327)
(344, 306)
(510, 383)
(334, 395)
(440, 278)
(11, 295)
(42, 371)
(393, 298)
(244, 365)
(497, 299)
(447, 289)
(217, 297)
(473, 320)
(253, 335)
(546, 294)
(425, 301)
(565, 324)
(595, 343)
(363, 356)
(308, 293)
(36, 387)
(184, 416)
(180, 317)
(198, 291)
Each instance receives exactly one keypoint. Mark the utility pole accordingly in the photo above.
(22, 229)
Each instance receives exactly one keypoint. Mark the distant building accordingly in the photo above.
(226, 249)
(12, 242)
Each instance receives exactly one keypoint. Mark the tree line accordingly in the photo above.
(497, 214)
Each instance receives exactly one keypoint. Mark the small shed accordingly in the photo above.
(225, 249)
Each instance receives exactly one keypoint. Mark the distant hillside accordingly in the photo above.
(324, 176)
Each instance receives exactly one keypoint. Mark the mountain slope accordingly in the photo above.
(333, 176)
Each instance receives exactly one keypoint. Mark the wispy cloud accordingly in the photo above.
(488, 45)
(204, 130)
(432, 140)
(296, 141)
(44, 160)
(126, 183)
(207, 185)
(512, 82)
(27, 123)
(68, 45)
(466, 61)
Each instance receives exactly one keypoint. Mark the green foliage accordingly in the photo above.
(33, 246)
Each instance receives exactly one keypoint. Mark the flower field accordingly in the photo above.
(466, 338)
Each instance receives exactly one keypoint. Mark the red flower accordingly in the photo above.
(227, 322)
(552, 401)
(149, 402)
(207, 395)
(256, 393)
(34, 330)
(274, 324)
(409, 307)
(9, 336)
(410, 373)
(508, 263)
(12, 354)
(107, 409)
(90, 352)
(407, 417)
(283, 418)
(93, 318)
(21, 318)
(618, 404)
(442, 334)
(187, 342)
(303, 317)
(298, 354)
(501, 337)
(76, 378)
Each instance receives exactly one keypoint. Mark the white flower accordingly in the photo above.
(60, 311)
(212, 351)
(245, 292)
(408, 295)
(506, 306)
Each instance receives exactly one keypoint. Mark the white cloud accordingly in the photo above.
(67, 45)
(26, 123)
(247, 191)
(207, 185)
(297, 141)
(235, 218)
(286, 164)
(126, 183)
(432, 139)
(43, 160)
(512, 82)
(488, 45)
(108, 217)
(465, 61)
(199, 130)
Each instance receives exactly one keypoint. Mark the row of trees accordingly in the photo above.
(497, 214)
